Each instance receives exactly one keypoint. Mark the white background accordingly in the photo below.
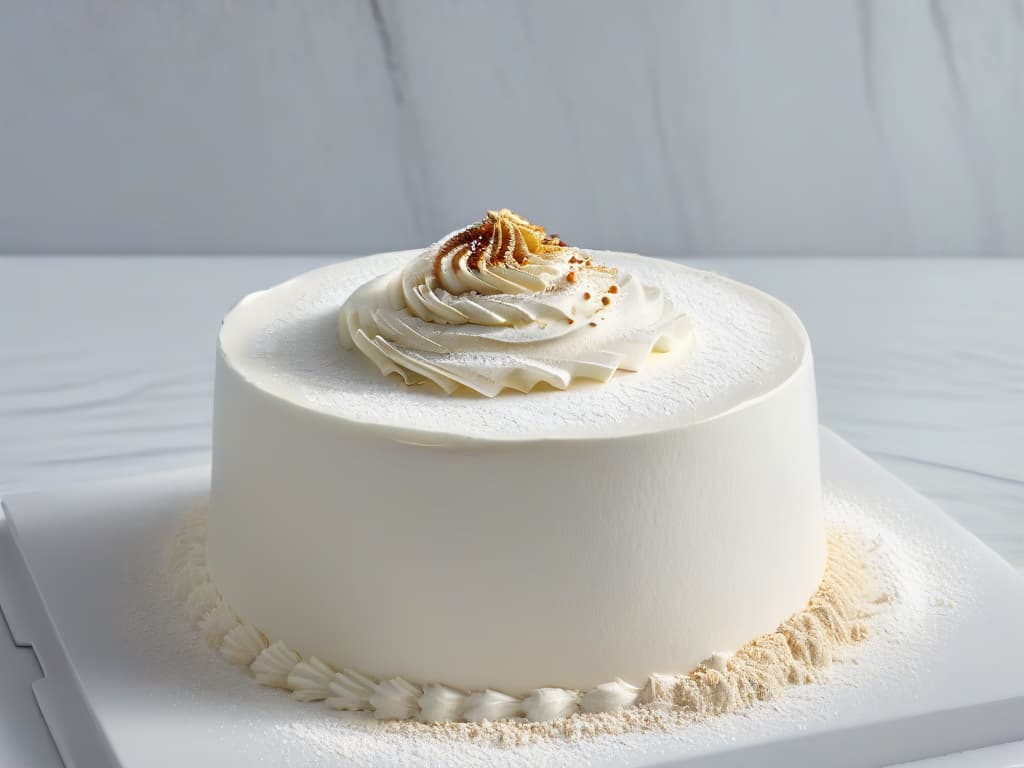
(801, 127)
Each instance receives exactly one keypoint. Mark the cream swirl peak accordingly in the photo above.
(503, 253)
(502, 305)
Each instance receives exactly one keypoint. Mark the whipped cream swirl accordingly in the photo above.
(501, 304)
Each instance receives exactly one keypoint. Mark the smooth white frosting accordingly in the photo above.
(553, 319)
(644, 523)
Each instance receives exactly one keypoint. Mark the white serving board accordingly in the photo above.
(127, 683)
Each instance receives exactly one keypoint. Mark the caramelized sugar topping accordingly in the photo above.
(501, 238)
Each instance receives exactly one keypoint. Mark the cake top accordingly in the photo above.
(500, 305)
(744, 344)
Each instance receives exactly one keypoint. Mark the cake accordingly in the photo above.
(503, 477)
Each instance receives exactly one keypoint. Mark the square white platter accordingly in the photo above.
(127, 683)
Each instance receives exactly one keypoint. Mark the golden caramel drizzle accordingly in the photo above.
(507, 238)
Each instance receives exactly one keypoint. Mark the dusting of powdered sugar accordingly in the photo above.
(285, 339)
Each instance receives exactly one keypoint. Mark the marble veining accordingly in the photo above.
(696, 128)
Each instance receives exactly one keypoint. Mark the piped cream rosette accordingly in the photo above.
(501, 305)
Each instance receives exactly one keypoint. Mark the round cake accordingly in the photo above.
(505, 503)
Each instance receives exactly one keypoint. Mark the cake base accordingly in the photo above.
(937, 675)
(799, 651)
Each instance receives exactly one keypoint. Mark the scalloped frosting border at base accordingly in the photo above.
(797, 652)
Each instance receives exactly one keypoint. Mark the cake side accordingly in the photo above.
(798, 651)
(530, 561)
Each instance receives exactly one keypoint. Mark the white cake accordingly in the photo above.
(547, 539)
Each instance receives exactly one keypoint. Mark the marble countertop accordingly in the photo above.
(106, 368)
